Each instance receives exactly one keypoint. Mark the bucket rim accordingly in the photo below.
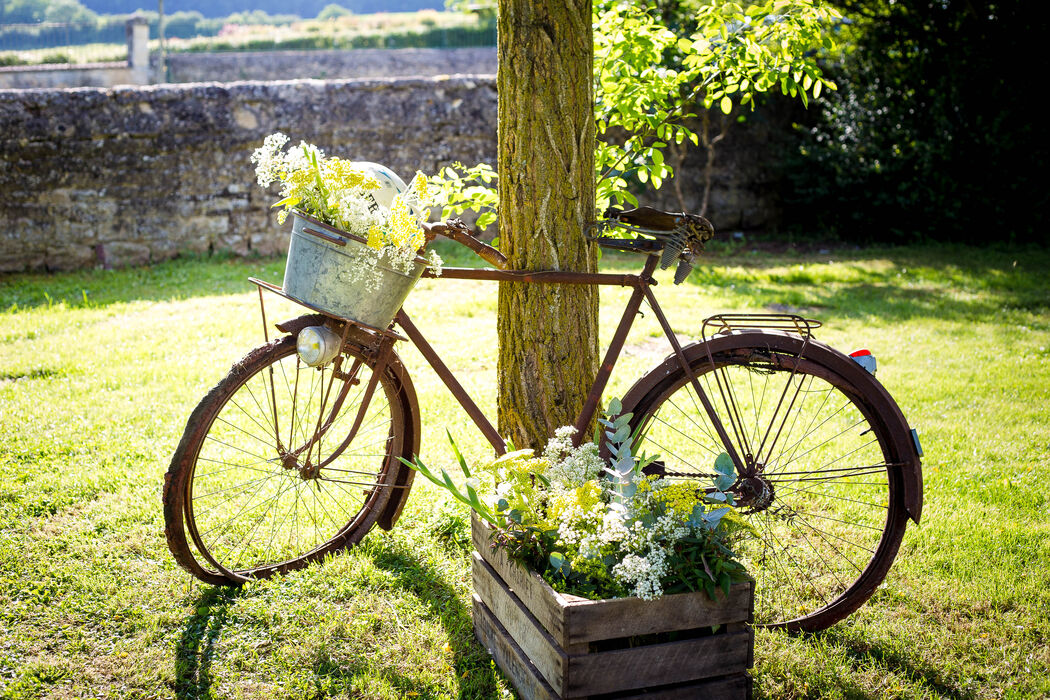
(419, 259)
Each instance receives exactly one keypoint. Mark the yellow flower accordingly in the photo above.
(588, 495)
(421, 186)
(341, 174)
(404, 231)
(679, 497)
(375, 238)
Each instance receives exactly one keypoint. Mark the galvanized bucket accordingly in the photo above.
(324, 272)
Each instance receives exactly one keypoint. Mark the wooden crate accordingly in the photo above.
(553, 645)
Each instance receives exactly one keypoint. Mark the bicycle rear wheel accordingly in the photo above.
(262, 481)
(823, 487)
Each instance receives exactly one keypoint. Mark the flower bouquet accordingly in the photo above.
(357, 237)
(600, 529)
(593, 576)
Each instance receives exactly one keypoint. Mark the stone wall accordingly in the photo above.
(135, 175)
(139, 174)
(355, 63)
(67, 75)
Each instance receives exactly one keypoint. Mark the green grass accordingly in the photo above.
(99, 371)
(75, 53)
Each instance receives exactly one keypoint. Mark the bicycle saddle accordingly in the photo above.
(681, 235)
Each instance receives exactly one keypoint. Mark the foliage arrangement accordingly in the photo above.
(605, 530)
(340, 193)
(648, 80)
(922, 119)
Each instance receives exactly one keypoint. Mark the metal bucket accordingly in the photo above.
(324, 272)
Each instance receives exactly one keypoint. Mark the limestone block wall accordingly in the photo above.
(139, 174)
(135, 175)
(354, 63)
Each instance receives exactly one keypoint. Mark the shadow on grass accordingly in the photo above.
(865, 652)
(182, 278)
(472, 663)
(193, 655)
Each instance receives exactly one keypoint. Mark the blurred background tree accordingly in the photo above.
(934, 131)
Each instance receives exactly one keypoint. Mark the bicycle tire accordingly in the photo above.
(828, 508)
(233, 483)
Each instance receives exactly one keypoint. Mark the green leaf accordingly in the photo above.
(726, 105)
(513, 456)
(287, 202)
(724, 465)
(459, 457)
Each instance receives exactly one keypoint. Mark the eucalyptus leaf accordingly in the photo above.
(723, 482)
(724, 465)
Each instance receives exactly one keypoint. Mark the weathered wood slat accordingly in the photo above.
(593, 620)
(509, 656)
(654, 665)
(730, 688)
(527, 632)
(547, 643)
(546, 604)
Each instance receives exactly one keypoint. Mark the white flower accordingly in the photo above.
(268, 159)
(571, 466)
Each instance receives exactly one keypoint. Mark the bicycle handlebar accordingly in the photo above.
(458, 231)
(678, 236)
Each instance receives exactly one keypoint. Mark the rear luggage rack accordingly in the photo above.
(789, 323)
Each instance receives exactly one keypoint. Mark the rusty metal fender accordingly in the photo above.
(403, 475)
(899, 433)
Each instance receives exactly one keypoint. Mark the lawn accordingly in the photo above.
(99, 371)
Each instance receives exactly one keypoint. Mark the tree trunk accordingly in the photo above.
(547, 333)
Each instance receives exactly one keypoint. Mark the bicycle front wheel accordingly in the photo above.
(822, 487)
(264, 479)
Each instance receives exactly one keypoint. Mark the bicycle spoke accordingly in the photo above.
(832, 474)
(686, 435)
(238, 449)
(821, 491)
(254, 505)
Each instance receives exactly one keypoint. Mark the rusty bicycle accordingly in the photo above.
(283, 462)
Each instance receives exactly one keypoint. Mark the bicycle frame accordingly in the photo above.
(641, 283)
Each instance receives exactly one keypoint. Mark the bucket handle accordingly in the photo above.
(324, 236)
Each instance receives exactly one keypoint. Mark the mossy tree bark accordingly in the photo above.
(547, 333)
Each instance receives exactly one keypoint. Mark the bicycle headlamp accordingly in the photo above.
(317, 345)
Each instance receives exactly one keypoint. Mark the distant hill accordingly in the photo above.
(222, 8)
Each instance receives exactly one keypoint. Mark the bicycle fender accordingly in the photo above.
(899, 432)
(409, 447)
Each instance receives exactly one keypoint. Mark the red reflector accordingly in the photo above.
(860, 353)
